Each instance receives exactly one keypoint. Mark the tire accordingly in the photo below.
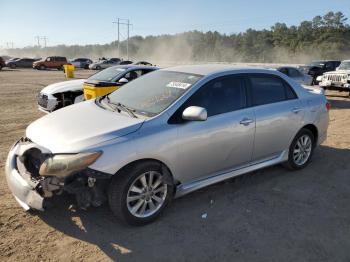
(98, 68)
(12, 66)
(294, 163)
(122, 199)
(42, 67)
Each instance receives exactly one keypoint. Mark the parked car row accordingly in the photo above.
(154, 134)
(70, 92)
(57, 62)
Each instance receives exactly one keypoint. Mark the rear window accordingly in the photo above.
(269, 89)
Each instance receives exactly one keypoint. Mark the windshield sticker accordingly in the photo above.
(179, 85)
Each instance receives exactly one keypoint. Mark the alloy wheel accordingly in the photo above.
(302, 150)
(147, 194)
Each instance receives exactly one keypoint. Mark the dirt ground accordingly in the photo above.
(270, 215)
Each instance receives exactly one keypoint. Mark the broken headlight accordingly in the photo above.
(63, 165)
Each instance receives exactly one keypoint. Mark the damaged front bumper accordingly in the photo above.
(47, 102)
(23, 189)
(33, 191)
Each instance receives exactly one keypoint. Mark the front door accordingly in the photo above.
(225, 140)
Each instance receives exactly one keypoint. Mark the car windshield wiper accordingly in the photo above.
(126, 108)
(121, 106)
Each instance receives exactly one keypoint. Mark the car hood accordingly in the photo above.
(71, 85)
(76, 127)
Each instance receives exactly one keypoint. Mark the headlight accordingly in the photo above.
(63, 165)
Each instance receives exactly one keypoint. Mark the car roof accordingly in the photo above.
(209, 69)
(131, 67)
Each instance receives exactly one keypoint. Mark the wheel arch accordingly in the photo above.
(313, 130)
(165, 169)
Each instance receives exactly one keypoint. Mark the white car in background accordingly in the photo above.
(337, 80)
(296, 75)
(60, 94)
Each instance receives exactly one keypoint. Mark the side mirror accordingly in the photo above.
(123, 81)
(195, 113)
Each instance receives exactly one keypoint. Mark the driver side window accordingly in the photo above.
(221, 95)
(133, 75)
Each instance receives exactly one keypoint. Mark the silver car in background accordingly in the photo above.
(296, 74)
(164, 135)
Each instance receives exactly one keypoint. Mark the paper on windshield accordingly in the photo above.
(180, 85)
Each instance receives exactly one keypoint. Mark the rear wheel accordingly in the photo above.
(301, 149)
(139, 195)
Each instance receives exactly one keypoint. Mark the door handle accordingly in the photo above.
(296, 110)
(246, 121)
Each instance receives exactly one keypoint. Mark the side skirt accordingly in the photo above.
(184, 189)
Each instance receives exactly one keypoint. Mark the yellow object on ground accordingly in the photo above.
(92, 91)
(69, 71)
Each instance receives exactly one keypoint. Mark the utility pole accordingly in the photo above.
(45, 39)
(38, 40)
(9, 45)
(127, 43)
(127, 23)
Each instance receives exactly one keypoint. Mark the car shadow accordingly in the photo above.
(235, 217)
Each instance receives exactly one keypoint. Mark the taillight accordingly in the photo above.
(328, 106)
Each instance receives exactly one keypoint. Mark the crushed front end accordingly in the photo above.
(32, 180)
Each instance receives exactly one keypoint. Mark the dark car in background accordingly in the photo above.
(125, 62)
(145, 63)
(318, 68)
(81, 62)
(2, 63)
(21, 63)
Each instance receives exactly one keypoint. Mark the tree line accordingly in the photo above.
(324, 37)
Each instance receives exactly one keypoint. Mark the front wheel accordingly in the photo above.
(139, 195)
(301, 149)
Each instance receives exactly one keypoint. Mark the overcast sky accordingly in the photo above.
(90, 21)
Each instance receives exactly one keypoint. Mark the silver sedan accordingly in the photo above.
(164, 135)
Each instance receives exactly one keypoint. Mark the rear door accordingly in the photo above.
(278, 113)
(225, 140)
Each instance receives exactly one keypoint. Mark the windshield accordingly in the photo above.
(345, 65)
(317, 63)
(154, 92)
(108, 74)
